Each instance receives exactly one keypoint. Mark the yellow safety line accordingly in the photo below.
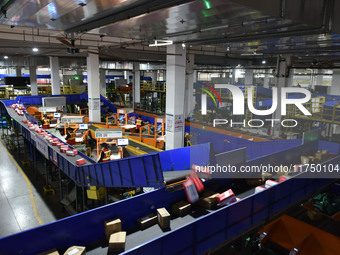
(146, 145)
(135, 150)
(28, 184)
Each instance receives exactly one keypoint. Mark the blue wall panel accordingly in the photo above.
(332, 147)
(183, 158)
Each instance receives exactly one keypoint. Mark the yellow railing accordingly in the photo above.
(320, 112)
(159, 86)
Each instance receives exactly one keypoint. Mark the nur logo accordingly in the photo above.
(238, 99)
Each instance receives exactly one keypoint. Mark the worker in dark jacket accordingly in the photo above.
(139, 122)
(105, 155)
(46, 122)
(70, 136)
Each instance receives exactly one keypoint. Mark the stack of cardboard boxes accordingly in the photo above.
(319, 156)
(115, 235)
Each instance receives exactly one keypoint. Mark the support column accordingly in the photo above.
(234, 80)
(102, 79)
(93, 87)
(290, 82)
(136, 83)
(154, 76)
(248, 77)
(127, 76)
(266, 80)
(55, 78)
(282, 81)
(18, 71)
(334, 90)
(189, 86)
(319, 78)
(175, 89)
(33, 79)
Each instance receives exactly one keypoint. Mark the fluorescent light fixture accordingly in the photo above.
(5, 57)
(264, 61)
(35, 49)
(161, 43)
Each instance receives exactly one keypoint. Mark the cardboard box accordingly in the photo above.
(266, 176)
(147, 221)
(307, 159)
(117, 242)
(112, 226)
(208, 200)
(76, 250)
(181, 208)
(270, 183)
(321, 155)
(163, 217)
(326, 152)
(50, 252)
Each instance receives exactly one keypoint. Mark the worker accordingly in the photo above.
(70, 136)
(187, 142)
(105, 155)
(46, 122)
(139, 122)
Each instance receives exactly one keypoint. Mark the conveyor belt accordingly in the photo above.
(19, 119)
(173, 176)
(141, 147)
(137, 237)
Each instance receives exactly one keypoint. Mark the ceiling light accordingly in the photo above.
(161, 43)
(5, 57)
(183, 45)
(35, 49)
(264, 61)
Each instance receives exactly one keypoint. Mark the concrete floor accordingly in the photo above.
(16, 202)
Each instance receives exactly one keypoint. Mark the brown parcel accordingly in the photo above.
(320, 156)
(50, 252)
(326, 152)
(208, 202)
(181, 208)
(163, 218)
(147, 221)
(307, 160)
(117, 242)
(76, 250)
(112, 226)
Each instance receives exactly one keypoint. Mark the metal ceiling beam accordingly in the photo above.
(245, 38)
(124, 13)
(312, 12)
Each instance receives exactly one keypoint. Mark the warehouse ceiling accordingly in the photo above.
(219, 32)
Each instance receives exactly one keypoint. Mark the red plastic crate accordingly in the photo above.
(80, 161)
(190, 191)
